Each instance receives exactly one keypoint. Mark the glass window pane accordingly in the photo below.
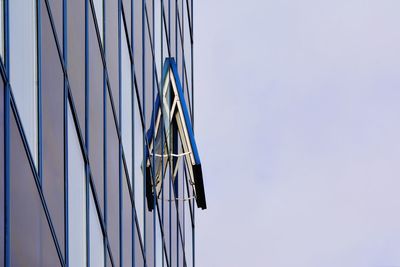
(96, 125)
(149, 237)
(98, 8)
(96, 235)
(108, 260)
(188, 231)
(127, 7)
(2, 29)
(126, 223)
(76, 198)
(111, 49)
(160, 261)
(138, 158)
(139, 259)
(1, 170)
(137, 46)
(126, 87)
(31, 240)
(57, 13)
(53, 127)
(157, 39)
(112, 185)
(76, 57)
(23, 66)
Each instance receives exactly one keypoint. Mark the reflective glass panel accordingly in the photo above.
(98, 8)
(111, 48)
(57, 13)
(2, 29)
(96, 235)
(76, 57)
(31, 240)
(126, 223)
(112, 181)
(1, 170)
(138, 159)
(53, 127)
(76, 198)
(96, 114)
(126, 87)
(23, 66)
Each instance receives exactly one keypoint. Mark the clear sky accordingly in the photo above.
(297, 119)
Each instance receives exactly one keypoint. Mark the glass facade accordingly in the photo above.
(92, 174)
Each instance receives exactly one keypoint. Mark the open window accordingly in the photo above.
(171, 115)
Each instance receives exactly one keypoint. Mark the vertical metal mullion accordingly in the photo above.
(65, 104)
(39, 88)
(133, 209)
(152, 40)
(144, 120)
(7, 211)
(87, 179)
(192, 78)
(162, 127)
(104, 133)
(176, 148)
(120, 127)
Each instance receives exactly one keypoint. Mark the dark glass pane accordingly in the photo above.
(96, 128)
(53, 128)
(1, 170)
(57, 13)
(112, 185)
(31, 240)
(76, 56)
(126, 223)
(111, 49)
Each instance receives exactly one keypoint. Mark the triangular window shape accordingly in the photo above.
(170, 117)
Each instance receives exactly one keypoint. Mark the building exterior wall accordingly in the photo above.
(78, 84)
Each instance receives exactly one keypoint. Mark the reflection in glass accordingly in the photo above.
(96, 235)
(76, 198)
(23, 70)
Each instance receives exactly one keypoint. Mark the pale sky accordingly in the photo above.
(297, 120)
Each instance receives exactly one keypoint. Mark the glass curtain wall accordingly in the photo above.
(80, 80)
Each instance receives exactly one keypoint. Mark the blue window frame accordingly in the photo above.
(171, 107)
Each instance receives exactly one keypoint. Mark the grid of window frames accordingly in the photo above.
(79, 80)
